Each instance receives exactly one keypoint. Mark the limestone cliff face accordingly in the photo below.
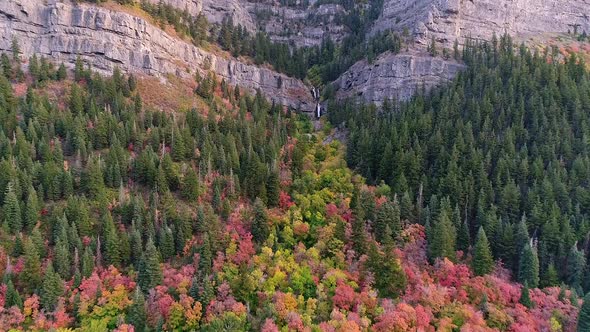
(299, 26)
(448, 20)
(215, 10)
(395, 76)
(294, 25)
(62, 31)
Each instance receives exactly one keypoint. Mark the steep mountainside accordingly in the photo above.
(106, 38)
(448, 20)
(395, 76)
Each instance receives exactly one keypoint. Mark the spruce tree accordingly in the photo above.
(31, 275)
(12, 297)
(52, 288)
(528, 270)
(388, 215)
(137, 315)
(190, 186)
(525, 297)
(442, 237)
(584, 315)
(87, 262)
(111, 249)
(150, 273)
(11, 210)
(260, 222)
(483, 262)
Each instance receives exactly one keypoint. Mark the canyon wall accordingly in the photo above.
(104, 38)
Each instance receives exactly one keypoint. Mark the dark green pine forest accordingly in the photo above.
(504, 147)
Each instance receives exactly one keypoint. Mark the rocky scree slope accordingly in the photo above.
(62, 30)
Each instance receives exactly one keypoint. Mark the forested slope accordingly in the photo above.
(238, 216)
(504, 147)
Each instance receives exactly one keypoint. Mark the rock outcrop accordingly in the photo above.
(395, 76)
(450, 20)
(215, 10)
(301, 25)
(103, 38)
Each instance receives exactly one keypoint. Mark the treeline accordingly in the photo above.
(503, 147)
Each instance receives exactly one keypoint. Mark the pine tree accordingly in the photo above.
(12, 297)
(190, 186)
(87, 262)
(272, 189)
(528, 270)
(442, 237)
(111, 249)
(62, 259)
(205, 260)
(52, 289)
(31, 210)
(260, 222)
(483, 262)
(525, 297)
(31, 275)
(584, 315)
(388, 215)
(550, 277)
(137, 315)
(150, 273)
(11, 210)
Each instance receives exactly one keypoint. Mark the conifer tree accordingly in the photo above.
(525, 297)
(483, 262)
(584, 315)
(52, 289)
(190, 186)
(150, 273)
(260, 222)
(111, 249)
(87, 262)
(11, 210)
(137, 315)
(528, 270)
(442, 237)
(12, 297)
(31, 275)
(388, 215)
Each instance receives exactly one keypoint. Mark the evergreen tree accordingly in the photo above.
(111, 249)
(12, 211)
(136, 314)
(31, 274)
(87, 262)
(150, 273)
(190, 186)
(525, 297)
(52, 289)
(442, 237)
(388, 215)
(528, 271)
(483, 262)
(584, 315)
(12, 297)
(260, 222)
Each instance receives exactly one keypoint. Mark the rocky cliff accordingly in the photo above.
(395, 76)
(450, 20)
(62, 31)
(215, 10)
